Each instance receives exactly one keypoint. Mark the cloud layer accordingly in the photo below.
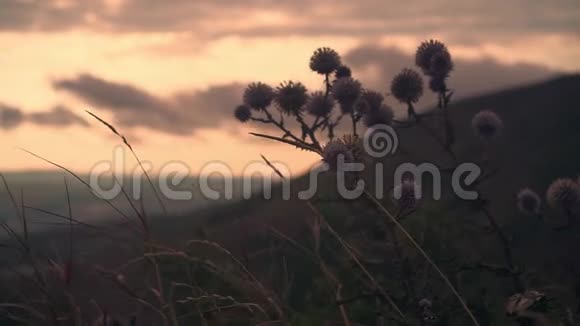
(181, 114)
(215, 18)
(59, 116)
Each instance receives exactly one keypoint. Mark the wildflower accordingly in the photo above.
(319, 105)
(425, 53)
(407, 194)
(487, 125)
(407, 86)
(563, 193)
(441, 65)
(437, 85)
(382, 116)
(258, 96)
(335, 149)
(243, 113)
(291, 97)
(342, 71)
(346, 91)
(324, 61)
(528, 202)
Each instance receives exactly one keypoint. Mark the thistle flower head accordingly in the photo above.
(425, 53)
(407, 86)
(407, 194)
(243, 113)
(563, 193)
(487, 125)
(441, 65)
(437, 85)
(342, 71)
(355, 147)
(258, 95)
(528, 202)
(324, 61)
(319, 105)
(291, 97)
(334, 150)
(382, 116)
(346, 91)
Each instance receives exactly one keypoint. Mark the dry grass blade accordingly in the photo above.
(136, 158)
(352, 255)
(23, 241)
(424, 254)
(88, 186)
(273, 167)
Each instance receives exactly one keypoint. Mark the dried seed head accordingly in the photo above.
(529, 202)
(425, 53)
(342, 71)
(291, 97)
(373, 98)
(243, 113)
(319, 105)
(441, 65)
(487, 125)
(334, 150)
(563, 193)
(407, 86)
(258, 96)
(324, 61)
(346, 91)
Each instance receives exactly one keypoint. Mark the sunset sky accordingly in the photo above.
(168, 73)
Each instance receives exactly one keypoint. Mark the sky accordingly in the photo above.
(168, 74)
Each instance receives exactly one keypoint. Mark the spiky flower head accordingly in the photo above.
(291, 97)
(346, 91)
(437, 85)
(407, 86)
(441, 65)
(563, 193)
(529, 202)
(382, 116)
(324, 61)
(425, 53)
(258, 95)
(319, 105)
(342, 71)
(487, 125)
(243, 113)
(334, 150)
(407, 194)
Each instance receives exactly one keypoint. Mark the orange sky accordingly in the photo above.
(220, 50)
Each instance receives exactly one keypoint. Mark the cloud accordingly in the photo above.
(376, 66)
(180, 114)
(216, 18)
(59, 116)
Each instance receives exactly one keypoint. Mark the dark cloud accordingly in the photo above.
(376, 66)
(209, 18)
(10, 117)
(59, 116)
(181, 114)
